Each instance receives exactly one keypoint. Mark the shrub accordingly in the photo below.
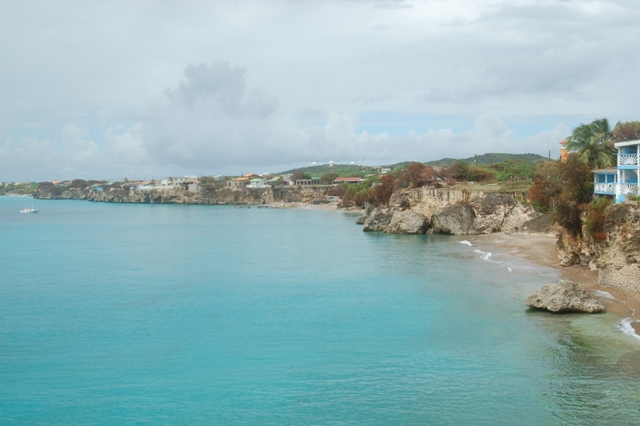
(563, 189)
(329, 177)
(595, 217)
(381, 193)
(337, 191)
(415, 175)
(356, 195)
(462, 171)
(514, 169)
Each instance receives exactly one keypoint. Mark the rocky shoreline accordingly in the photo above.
(610, 264)
(540, 249)
(209, 196)
(452, 211)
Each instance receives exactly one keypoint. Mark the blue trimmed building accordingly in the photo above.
(623, 180)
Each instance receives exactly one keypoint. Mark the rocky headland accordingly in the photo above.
(614, 252)
(453, 211)
(216, 196)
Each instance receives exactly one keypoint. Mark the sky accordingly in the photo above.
(154, 88)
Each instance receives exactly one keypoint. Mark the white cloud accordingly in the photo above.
(77, 148)
(126, 148)
(207, 87)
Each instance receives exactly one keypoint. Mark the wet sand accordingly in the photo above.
(540, 249)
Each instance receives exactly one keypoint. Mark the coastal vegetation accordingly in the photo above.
(489, 159)
(565, 188)
(18, 188)
(594, 143)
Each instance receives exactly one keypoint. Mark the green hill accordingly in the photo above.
(356, 170)
(488, 159)
(339, 169)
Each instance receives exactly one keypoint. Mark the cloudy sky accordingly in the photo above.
(152, 88)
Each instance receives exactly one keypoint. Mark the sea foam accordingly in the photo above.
(486, 255)
(627, 328)
(604, 294)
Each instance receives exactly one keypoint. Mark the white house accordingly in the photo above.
(258, 183)
(623, 180)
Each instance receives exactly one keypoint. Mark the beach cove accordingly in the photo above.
(208, 314)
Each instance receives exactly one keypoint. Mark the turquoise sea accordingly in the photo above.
(174, 314)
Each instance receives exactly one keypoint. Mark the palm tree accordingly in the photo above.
(594, 143)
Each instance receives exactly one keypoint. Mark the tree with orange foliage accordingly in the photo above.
(381, 193)
(416, 175)
(626, 131)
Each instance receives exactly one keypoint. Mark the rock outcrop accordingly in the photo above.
(455, 211)
(540, 224)
(493, 212)
(615, 255)
(377, 220)
(368, 208)
(501, 212)
(454, 220)
(564, 296)
(407, 222)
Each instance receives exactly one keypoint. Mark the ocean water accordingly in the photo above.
(173, 314)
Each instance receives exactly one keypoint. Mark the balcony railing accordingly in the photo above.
(627, 159)
(604, 188)
(628, 188)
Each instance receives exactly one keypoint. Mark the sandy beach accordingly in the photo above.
(540, 249)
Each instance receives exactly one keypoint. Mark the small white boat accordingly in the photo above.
(29, 210)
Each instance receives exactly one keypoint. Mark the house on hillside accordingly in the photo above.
(306, 182)
(348, 180)
(258, 183)
(605, 181)
(381, 170)
(273, 181)
(240, 182)
(191, 184)
(623, 180)
(173, 182)
(628, 169)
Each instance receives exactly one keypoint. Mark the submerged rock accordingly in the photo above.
(407, 222)
(377, 220)
(564, 296)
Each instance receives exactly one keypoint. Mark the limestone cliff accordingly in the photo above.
(457, 211)
(616, 257)
(180, 196)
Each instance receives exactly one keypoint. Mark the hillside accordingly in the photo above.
(357, 170)
(488, 159)
(339, 169)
